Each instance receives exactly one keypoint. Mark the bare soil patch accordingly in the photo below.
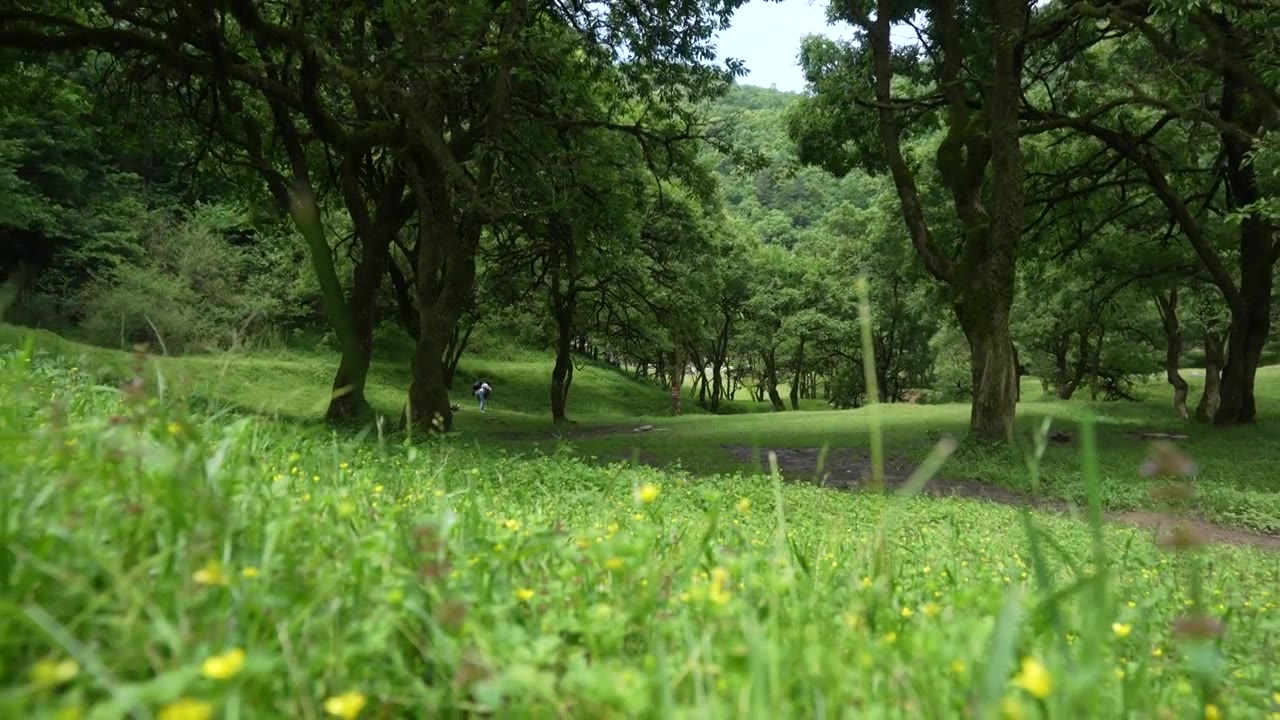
(849, 470)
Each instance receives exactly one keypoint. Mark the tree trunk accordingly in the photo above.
(562, 373)
(453, 352)
(1096, 370)
(994, 369)
(444, 282)
(1168, 309)
(717, 384)
(1245, 340)
(771, 382)
(348, 403)
(797, 377)
(1212, 395)
(677, 381)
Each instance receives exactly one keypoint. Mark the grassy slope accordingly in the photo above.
(1236, 484)
(439, 581)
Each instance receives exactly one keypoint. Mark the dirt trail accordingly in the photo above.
(845, 469)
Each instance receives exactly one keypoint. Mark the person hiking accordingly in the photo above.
(482, 390)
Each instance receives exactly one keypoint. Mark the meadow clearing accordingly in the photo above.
(196, 546)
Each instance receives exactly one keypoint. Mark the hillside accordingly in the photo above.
(295, 384)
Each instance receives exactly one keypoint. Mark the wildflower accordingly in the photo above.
(210, 574)
(1211, 712)
(648, 493)
(1034, 678)
(346, 706)
(525, 594)
(866, 582)
(70, 712)
(744, 505)
(346, 509)
(613, 563)
(1011, 709)
(907, 612)
(49, 673)
(250, 572)
(224, 666)
(175, 428)
(343, 465)
(958, 667)
(1120, 674)
(1156, 652)
(926, 569)
(1121, 629)
(719, 579)
(186, 709)
(930, 609)
(395, 596)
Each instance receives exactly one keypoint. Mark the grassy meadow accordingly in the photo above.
(198, 546)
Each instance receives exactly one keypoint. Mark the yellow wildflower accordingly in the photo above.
(931, 609)
(49, 673)
(186, 709)
(346, 509)
(958, 667)
(744, 504)
(1034, 678)
(1120, 674)
(1121, 629)
(866, 582)
(718, 592)
(907, 612)
(250, 572)
(70, 712)
(224, 666)
(210, 574)
(648, 493)
(174, 428)
(346, 706)
(1011, 709)
(1211, 712)
(511, 524)
(525, 594)
(613, 563)
(1156, 652)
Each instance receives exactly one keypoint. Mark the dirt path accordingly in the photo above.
(845, 469)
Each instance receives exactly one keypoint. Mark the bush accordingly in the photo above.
(195, 287)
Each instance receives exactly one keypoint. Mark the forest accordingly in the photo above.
(977, 220)
(645, 210)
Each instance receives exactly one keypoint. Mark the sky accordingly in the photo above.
(766, 35)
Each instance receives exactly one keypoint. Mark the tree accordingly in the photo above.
(1226, 51)
(975, 70)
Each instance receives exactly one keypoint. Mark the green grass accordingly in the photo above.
(1236, 484)
(141, 538)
